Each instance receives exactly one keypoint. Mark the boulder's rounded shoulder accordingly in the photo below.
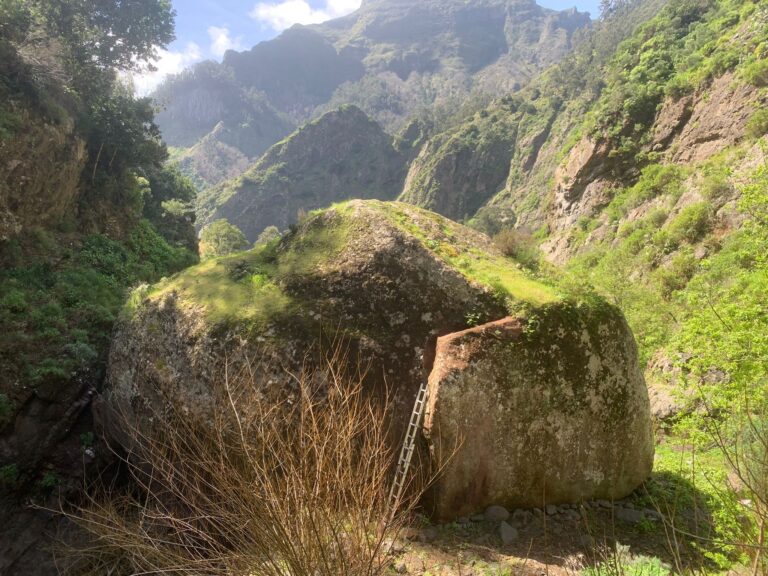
(387, 278)
(547, 409)
(384, 239)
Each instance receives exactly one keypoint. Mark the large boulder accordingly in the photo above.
(546, 409)
(387, 279)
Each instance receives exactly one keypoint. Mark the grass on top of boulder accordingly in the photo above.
(469, 252)
(250, 286)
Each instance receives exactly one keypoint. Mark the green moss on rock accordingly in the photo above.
(386, 278)
(548, 409)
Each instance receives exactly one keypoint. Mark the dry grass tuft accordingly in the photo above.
(267, 487)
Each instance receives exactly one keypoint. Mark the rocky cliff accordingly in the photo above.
(199, 99)
(212, 160)
(83, 193)
(554, 156)
(45, 155)
(391, 58)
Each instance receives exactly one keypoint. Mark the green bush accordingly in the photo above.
(681, 85)
(221, 238)
(151, 257)
(756, 73)
(676, 275)
(9, 475)
(106, 256)
(51, 369)
(658, 179)
(9, 124)
(520, 246)
(621, 562)
(716, 183)
(655, 180)
(58, 320)
(691, 224)
(757, 126)
(49, 481)
(14, 301)
(270, 234)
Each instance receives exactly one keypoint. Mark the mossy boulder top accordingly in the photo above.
(387, 279)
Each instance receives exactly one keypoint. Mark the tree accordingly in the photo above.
(15, 20)
(122, 34)
(269, 234)
(169, 206)
(221, 238)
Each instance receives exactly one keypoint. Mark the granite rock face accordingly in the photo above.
(41, 158)
(368, 273)
(551, 400)
(536, 411)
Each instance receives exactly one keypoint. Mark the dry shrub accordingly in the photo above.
(747, 455)
(266, 486)
(519, 245)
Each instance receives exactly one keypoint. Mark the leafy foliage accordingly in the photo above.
(518, 245)
(758, 124)
(58, 317)
(685, 46)
(700, 301)
(62, 287)
(756, 73)
(109, 33)
(269, 234)
(220, 238)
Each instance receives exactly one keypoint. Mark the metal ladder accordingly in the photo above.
(406, 453)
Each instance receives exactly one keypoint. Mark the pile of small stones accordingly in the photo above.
(509, 524)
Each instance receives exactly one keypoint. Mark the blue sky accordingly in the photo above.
(205, 29)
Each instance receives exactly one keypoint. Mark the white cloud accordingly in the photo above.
(169, 62)
(281, 15)
(338, 8)
(221, 41)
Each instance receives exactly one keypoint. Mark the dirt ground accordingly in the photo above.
(561, 543)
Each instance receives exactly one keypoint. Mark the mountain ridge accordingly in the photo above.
(391, 59)
(341, 155)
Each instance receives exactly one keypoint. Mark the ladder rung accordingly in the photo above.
(408, 448)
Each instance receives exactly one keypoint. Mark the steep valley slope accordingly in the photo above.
(87, 209)
(639, 171)
(620, 170)
(341, 155)
(391, 58)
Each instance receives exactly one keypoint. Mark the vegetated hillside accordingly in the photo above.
(391, 58)
(341, 155)
(87, 209)
(643, 172)
(211, 161)
(682, 88)
(196, 101)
